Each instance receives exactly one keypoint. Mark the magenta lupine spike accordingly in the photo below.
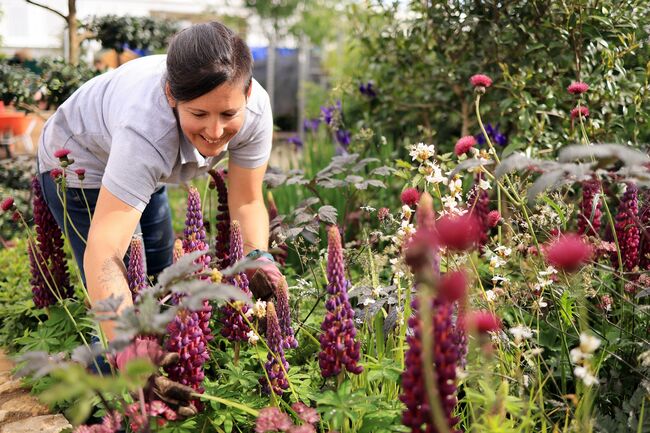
(275, 358)
(479, 205)
(48, 263)
(284, 315)
(644, 232)
(222, 245)
(281, 251)
(194, 240)
(339, 349)
(589, 219)
(234, 326)
(186, 337)
(627, 230)
(136, 273)
(446, 358)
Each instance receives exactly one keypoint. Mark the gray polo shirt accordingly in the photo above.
(121, 129)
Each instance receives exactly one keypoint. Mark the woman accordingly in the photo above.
(157, 120)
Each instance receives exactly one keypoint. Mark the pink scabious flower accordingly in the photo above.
(61, 153)
(222, 244)
(186, 337)
(578, 88)
(627, 229)
(458, 233)
(281, 252)
(49, 268)
(480, 80)
(579, 111)
(483, 321)
(410, 196)
(234, 326)
(569, 252)
(493, 218)
(271, 419)
(339, 349)
(276, 364)
(81, 173)
(284, 315)
(464, 144)
(136, 273)
(7, 204)
(479, 206)
(590, 215)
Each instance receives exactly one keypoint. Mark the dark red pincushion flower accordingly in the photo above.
(483, 321)
(49, 268)
(464, 144)
(222, 244)
(7, 204)
(81, 173)
(458, 233)
(568, 252)
(580, 111)
(276, 364)
(339, 349)
(578, 88)
(590, 216)
(61, 153)
(493, 218)
(57, 174)
(480, 80)
(410, 196)
(627, 229)
(453, 286)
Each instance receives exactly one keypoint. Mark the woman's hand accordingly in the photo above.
(264, 279)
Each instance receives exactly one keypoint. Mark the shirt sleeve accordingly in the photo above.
(133, 169)
(256, 150)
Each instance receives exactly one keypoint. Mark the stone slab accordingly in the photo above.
(24, 403)
(10, 386)
(38, 424)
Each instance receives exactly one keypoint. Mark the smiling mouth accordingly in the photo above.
(210, 141)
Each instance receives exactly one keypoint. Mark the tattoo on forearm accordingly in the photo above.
(112, 270)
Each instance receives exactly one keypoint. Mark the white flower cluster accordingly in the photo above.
(521, 333)
(423, 154)
(581, 356)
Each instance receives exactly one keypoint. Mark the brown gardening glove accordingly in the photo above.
(264, 279)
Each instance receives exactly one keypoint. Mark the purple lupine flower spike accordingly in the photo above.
(48, 263)
(136, 273)
(235, 327)
(284, 315)
(339, 349)
(590, 217)
(222, 245)
(185, 337)
(627, 230)
(276, 364)
(644, 235)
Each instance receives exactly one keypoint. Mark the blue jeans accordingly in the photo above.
(155, 223)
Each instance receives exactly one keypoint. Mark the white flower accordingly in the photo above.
(577, 355)
(376, 291)
(549, 271)
(644, 358)
(497, 278)
(588, 343)
(455, 187)
(449, 202)
(406, 212)
(436, 176)
(259, 309)
(586, 376)
(540, 303)
(252, 337)
(484, 184)
(422, 152)
(368, 209)
(368, 301)
(496, 262)
(503, 251)
(521, 333)
(526, 380)
(490, 295)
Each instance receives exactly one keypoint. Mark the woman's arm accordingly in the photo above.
(110, 233)
(246, 205)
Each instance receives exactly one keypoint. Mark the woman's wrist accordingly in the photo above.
(257, 253)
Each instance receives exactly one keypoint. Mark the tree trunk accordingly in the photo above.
(270, 65)
(303, 77)
(73, 37)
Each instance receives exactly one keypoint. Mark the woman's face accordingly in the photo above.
(211, 120)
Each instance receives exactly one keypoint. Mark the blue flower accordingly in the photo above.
(343, 137)
(495, 135)
(295, 140)
(330, 113)
(368, 90)
(311, 124)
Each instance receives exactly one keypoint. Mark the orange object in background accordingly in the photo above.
(15, 121)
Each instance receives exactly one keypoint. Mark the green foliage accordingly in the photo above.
(119, 32)
(62, 79)
(17, 85)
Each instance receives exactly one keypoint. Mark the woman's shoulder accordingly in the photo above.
(259, 100)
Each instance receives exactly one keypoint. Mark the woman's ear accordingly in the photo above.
(170, 98)
(250, 89)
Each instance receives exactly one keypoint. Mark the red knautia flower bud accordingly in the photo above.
(627, 229)
(483, 321)
(61, 153)
(568, 252)
(49, 268)
(494, 217)
(81, 173)
(480, 80)
(590, 215)
(7, 204)
(464, 144)
(410, 196)
(580, 111)
(222, 244)
(276, 364)
(136, 273)
(57, 174)
(338, 346)
(453, 286)
(458, 233)
(578, 88)
(271, 419)
(383, 213)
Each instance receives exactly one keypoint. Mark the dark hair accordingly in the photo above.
(204, 56)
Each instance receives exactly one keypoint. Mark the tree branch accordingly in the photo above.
(32, 2)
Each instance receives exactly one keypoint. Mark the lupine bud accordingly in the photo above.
(234, 326)
(627, 230)
(47, 258)
(284, 314)
(222, 244)
(282, 250)
(590, 215)
(276, 364)
(338, 346)
(186, 337)
(136, 273)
